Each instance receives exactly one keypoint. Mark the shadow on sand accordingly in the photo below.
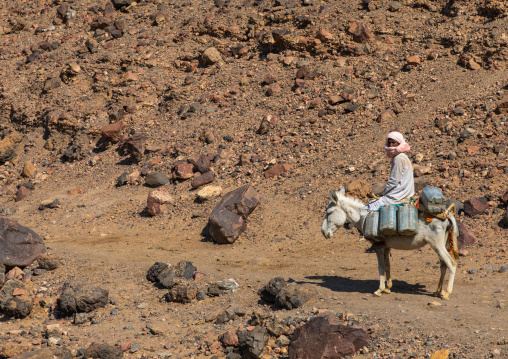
(369, 286)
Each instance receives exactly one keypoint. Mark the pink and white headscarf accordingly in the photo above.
(391, 152)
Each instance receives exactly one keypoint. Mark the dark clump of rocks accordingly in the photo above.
(48, 262)
(278, 292)
(81, 299)
(14, 299)
(102, 351)
(178, 279)
(252, 343)
(269, 291)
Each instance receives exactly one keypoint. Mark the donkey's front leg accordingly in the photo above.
(380, 253)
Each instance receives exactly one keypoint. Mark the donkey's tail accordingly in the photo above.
(453, 233)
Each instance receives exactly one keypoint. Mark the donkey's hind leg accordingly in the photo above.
(447, 262)
(380, 254)
(387, 270)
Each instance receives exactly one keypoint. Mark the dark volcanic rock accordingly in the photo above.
(48, 262)
(171, 275)
(294, 296)
(253, 343)
(227, 220)
(7, 290)
(156, 269)
(270, 291)
(18, 306)
(102, 351)
(156, 179)
(19, 245)
(325, 337)
(81, 299)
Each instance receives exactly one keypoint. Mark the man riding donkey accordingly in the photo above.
(400, 187)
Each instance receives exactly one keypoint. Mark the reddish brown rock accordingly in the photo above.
(276, 170)
(113, 130)
(493, 172)
(386, 115)
(360, 32)
(229, 339)
(502, 105)
(504, 197)
(202, 165)
(267, 123)
(335, 99)
(315, 103)
(326, 337)
(299, 82)
(22, 193)
(203, 179)
(466, 237)
(183, 171)
(158, 201)
(302, 71)
(227, 220)
(475, 206)
(413, 60)
(324, 36)
(273, 89)
(124, 346)
(270, 79)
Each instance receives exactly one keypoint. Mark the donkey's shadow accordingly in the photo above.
(349, 285)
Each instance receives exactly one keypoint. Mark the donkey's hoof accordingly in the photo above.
(436, 294)
(377, 293)
(445, 296)
(387, 291)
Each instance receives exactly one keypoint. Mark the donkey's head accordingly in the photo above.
(335, 215)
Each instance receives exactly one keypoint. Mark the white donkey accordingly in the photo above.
(344, 209)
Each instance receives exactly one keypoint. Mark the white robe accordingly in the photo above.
(399, 188)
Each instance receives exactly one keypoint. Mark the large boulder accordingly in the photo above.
(325, 337)
(19, 245)
(82, 299)
(228, 218)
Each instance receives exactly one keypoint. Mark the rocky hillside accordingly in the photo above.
(102, 101)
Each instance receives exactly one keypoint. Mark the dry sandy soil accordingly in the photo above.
(104, 238)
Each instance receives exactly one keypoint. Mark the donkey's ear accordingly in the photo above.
(333, 196)
(342, 189)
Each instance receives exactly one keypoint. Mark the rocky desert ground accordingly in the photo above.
(124, 124)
